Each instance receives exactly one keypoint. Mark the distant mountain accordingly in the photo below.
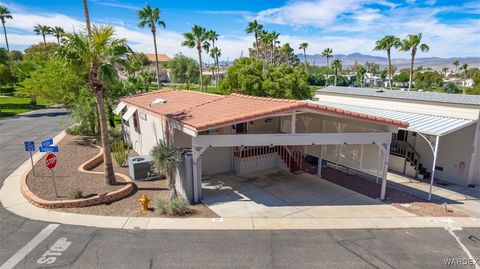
(433, 62)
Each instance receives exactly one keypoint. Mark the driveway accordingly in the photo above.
(278, 194)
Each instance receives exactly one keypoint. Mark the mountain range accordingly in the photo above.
(436, 63)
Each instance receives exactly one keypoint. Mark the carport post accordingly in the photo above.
(197, 172)
(386, 158)
(435, 151)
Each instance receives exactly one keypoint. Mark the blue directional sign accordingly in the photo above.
(47, 142)
(48, 149)
(29, 145)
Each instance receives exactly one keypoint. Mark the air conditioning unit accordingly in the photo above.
(140, 167)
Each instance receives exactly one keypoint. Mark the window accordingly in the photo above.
(124, 110)
(241, 128)
(136, 123)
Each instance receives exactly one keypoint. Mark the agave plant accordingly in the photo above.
(166, 159)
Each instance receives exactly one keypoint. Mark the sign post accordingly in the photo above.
(50, 162)
(30, 147)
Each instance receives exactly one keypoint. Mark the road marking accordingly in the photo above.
(56, 249)
(465, 249)
(23, 252)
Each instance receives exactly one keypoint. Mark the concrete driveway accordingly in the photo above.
(278, 194)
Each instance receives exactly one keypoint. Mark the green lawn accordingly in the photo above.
(11, 106)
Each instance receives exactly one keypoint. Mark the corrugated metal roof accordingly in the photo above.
(421, 123)
(463, 99)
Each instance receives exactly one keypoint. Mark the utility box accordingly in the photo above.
(140, 167)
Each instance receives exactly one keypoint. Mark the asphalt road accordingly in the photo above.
(66, 246)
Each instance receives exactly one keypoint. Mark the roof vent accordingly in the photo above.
(159, 101)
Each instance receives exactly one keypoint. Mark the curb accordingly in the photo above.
(85, 168)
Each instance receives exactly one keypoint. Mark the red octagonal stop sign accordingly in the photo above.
(51, 160)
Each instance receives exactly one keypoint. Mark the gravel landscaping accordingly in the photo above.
(399, 199)
(74, 151)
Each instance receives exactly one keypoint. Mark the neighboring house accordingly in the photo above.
(163, 60)
(468, 83)
(242, 134)
(443, 131)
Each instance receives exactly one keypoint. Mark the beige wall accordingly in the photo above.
(151, 131)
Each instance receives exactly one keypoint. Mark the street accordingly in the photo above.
(32, 244)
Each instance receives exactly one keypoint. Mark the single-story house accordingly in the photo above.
(442, 140)
(163, 60)
(242, 134)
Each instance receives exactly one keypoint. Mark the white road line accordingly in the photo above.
(465, 249)
(23, 252)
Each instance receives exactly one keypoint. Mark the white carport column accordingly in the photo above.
(197, 172)
(435, 151)
(385, 148)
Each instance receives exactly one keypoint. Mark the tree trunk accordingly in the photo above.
(199, 49)
(87, 19)
(411, 71)
(6, 39)
(44, 40)
(107, 156)
(256, 44)
(389, 68)
(336, 74)
(58, 39)
(156, 59)
(33, 101)
(328, 73)
(305, 59)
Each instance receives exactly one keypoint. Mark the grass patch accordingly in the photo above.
(11, 106)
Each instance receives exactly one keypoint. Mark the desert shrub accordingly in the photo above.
(120, 152)
(79, 129)
(175, 207)
(76, 194)
(115, 134)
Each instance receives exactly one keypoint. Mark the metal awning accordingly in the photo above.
(119, 108)
(420, 123)
(129, 113)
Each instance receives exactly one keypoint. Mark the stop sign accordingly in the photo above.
(51, 160)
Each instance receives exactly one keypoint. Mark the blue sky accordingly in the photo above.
(451, 28)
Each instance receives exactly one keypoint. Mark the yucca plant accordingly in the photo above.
(120, 152)
(166, 159)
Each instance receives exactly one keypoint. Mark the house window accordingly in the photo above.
(136, 123)
(241, 128)
(125, 122)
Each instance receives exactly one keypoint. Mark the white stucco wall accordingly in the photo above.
(151, 131)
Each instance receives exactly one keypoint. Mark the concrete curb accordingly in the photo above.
(85, 168)
(12, 200)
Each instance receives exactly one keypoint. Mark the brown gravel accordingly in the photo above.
(73, 151)
(399, 199)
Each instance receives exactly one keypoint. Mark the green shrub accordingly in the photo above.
(175, 207)
(115, 134)
(120, 152)
(79, 129)
(76, 194)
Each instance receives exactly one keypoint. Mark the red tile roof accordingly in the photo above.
(161, 57)
(204, 111)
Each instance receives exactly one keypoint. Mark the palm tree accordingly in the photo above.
(256, 28)
(336, 66)
(464, 67)
(197, 39)
(445, 70)
(327, 53)
(215, 53)
(99, 56)
(274, 41)
(412, 42)
(212, 36)
(386, 44)
(42, 30)
(5, 14)
(166, 159)
(266, 40)
(456, 63)
(87, 19)
(151, 17)
(58, 32)
(361, 72)
(303, 46)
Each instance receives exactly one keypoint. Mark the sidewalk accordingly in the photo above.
(12, 200)
(464, 198)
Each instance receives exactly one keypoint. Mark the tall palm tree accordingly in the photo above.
(42, 30)
(336, 66)
(87, 19)
(456, 63)
(386, 44)
(58, 32)
(445, 71)
(98, 56)
(151, 17)
(255, 28)
(464, 67)
(166, 159)
(197, 39)
(412, 42)
(361, 72)
(265, 39)
(4, 15)
(215, 53)
(303, 46)
(212, 36)
(327, 53)
(274, 41)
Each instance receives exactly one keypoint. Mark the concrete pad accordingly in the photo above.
(353, 211)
